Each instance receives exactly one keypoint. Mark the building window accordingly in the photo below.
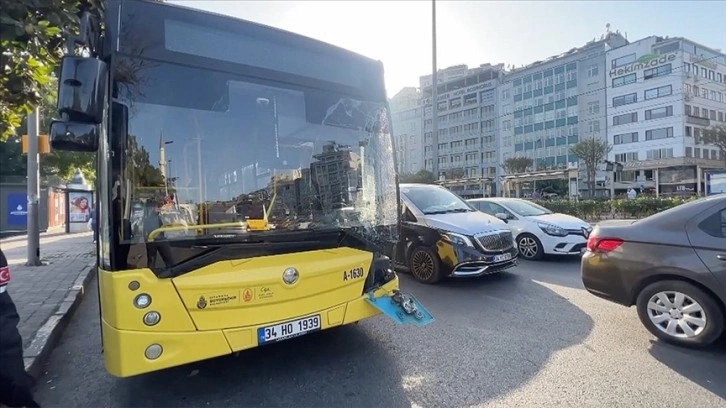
(594, 70)
(593, 107)
(689, 132)
(625, 99)
(658, 92)
(625, 138)
(470, 99)
(658, 113)
(625, 118)
(594, 126)
(624, 80)
(625, 59)
(662, 133)
(689, 152)
(626, 157)
(657, 154)
(657, 72)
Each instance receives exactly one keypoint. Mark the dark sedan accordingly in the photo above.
(671, 266)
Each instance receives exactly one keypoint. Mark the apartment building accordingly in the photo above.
(407, 123)
(466, 145)
(548, 106)
(662, 93)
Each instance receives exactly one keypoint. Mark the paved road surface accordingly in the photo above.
(39, 291)
(530, 338)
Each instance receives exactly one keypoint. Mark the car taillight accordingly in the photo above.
(603, 245)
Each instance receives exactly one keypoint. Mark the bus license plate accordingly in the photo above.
(502, 257)
(287, 330)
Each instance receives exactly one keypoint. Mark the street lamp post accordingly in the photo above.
(434, 97)
(33, 189)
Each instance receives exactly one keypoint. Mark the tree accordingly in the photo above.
(514, 165)
(457, 173)
(716, 135)
(56, 166)
(591, 151)
(422, 176)
(32, 38)
(144, 174)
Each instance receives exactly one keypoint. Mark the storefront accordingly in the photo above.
(668, 177)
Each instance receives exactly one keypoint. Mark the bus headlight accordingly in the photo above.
(153, 351)
(151, 318)
(142, 301)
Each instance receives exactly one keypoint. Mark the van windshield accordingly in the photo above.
(435, 200)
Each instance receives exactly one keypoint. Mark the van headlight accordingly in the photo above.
(553, 230)
(458, 239)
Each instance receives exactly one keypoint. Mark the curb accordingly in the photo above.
(50, 333)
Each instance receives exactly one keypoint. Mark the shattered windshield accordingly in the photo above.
(216, 154)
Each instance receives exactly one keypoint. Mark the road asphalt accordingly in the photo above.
(530, 337)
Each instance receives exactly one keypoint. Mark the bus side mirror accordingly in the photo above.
(74, 136)
(82, 89)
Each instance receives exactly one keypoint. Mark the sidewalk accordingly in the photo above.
(46, 295)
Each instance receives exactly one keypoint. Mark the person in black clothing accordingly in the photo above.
(94, 224)
(15, 383)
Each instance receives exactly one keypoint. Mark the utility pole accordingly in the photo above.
(434, 97)
(33, 189)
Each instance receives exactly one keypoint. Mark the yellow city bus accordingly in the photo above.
(246, 183)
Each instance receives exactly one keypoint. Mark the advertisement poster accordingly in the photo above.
(715, 182)
(79, 203)
(17, 209)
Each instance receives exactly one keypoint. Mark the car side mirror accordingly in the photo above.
(502, 216)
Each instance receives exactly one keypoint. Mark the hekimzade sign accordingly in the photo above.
(644, 62)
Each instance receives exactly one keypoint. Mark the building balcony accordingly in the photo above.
(694, 120)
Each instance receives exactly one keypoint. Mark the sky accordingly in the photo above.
(398, 33)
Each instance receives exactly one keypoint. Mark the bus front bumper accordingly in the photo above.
(128, 352)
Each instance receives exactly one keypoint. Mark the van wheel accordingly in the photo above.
(680, 313)
(425, 265)
(530, 248)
